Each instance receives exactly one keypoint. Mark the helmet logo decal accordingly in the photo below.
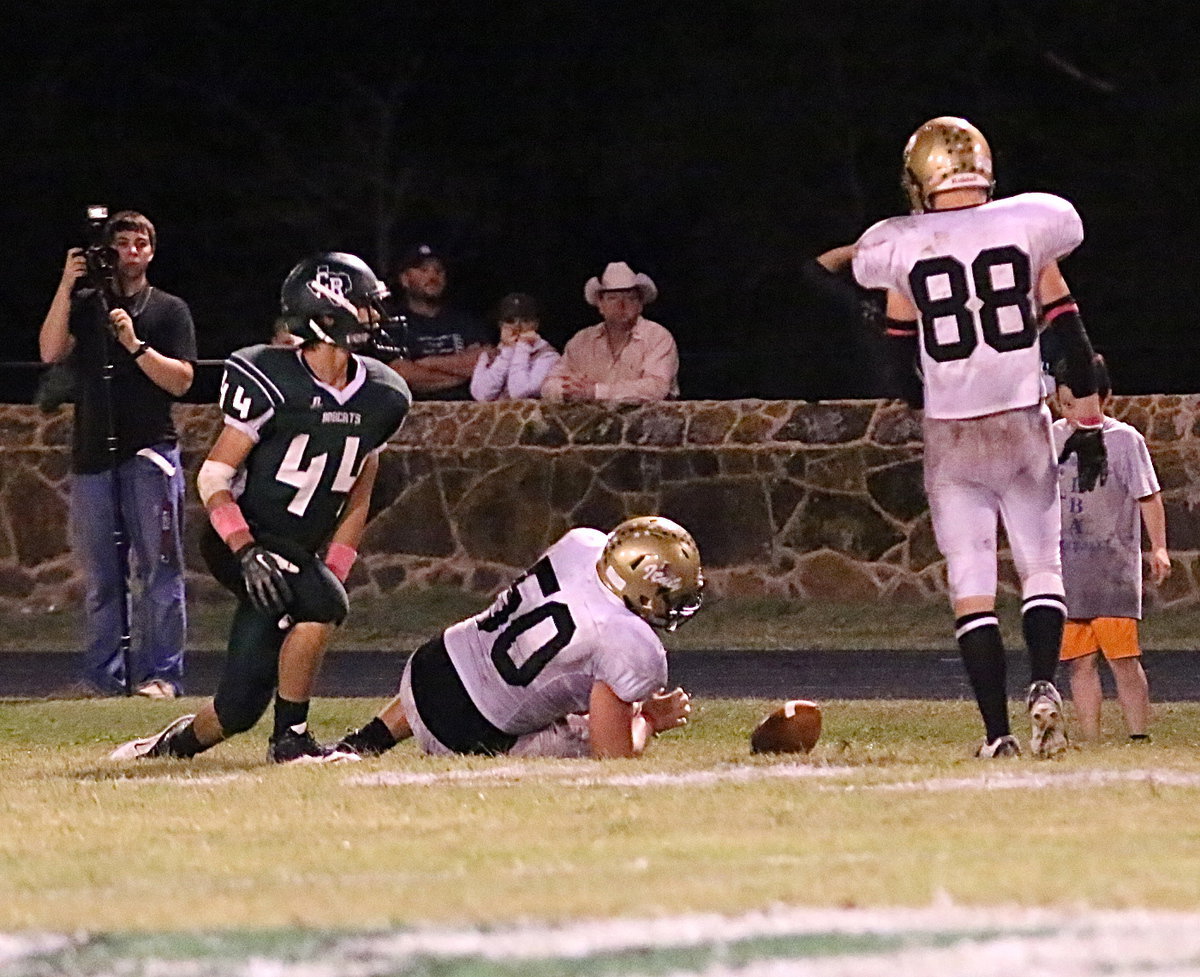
(661, 575)
(332, 287)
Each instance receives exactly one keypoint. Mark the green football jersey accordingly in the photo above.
(310, 439)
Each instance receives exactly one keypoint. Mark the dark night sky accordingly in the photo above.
(536, 141)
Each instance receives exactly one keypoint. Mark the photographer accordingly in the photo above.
(131, 348)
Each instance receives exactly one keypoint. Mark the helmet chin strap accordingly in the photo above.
(320, 333)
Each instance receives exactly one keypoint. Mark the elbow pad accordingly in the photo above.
(1075, 363)
(903, 376)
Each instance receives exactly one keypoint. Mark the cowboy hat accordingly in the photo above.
(617, 277)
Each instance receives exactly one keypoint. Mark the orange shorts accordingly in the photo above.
(1117, 637)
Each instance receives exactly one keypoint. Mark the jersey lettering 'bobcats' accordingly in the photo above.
(533, 656)
(297, 480)
(972, 275)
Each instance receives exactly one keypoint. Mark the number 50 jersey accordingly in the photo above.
(532, 657)
(311, 439)
(972, 275)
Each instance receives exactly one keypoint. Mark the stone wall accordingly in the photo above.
(819, 501)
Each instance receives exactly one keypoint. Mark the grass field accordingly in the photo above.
(887, 850)
(406, 618)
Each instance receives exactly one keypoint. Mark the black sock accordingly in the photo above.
(982, 652)
(1042, 617)
(184, 743)
(290, 715)
(373, 739)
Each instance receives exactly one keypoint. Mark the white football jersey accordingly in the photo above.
(972, 275)
(532, 657)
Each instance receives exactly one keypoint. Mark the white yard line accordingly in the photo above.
(515, 773)
(1023, 780)
(570, 776)
(931, 942)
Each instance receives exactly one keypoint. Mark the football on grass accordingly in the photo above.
(794, 727)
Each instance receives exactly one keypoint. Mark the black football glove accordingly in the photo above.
(1087, 445)
(262, 575)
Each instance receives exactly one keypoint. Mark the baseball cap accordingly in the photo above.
(418, 254)
(517, 305)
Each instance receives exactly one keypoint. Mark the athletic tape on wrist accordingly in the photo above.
(340, 559)
(227, 519)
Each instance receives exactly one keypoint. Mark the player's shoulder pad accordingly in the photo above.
(381, 373)
(874, 251)
(1058, 217)
(585, 536)
(255, 380)
(878, 233)
(581, 545)
(1048, 203)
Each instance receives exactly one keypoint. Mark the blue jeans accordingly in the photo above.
(151, 507)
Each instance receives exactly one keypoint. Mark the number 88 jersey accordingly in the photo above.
(311, 439)
(972, 274)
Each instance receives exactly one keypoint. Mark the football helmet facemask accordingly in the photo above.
(322, 296)
(946, 153)
(653, 565)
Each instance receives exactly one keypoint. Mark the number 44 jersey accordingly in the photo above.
(532, 657)
(311, 439)
(972, 275)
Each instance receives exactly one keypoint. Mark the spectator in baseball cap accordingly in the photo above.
(441, 343)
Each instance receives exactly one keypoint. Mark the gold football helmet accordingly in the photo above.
(653, 564)
(945, 154)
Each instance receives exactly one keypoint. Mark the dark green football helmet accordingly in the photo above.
(322, 297)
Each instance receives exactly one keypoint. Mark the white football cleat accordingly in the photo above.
(151, 746)
(1048, 725)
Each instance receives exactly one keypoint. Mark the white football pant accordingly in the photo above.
(980, 468)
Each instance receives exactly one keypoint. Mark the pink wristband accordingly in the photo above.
(340, 559)
(227, 519)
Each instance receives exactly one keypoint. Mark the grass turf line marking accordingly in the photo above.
(1037, 781)
(937, 940)
(570, 776)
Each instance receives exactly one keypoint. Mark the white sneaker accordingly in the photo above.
(151, 746)
(1048, 725)
(1001, 746)
(157, 688)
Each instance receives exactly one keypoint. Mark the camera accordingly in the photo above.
(101, 257)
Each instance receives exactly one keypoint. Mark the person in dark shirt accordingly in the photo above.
(440, 343)
(148, 337)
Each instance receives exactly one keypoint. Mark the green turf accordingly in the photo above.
(226, 841)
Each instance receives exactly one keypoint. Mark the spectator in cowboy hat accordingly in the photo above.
(624, 357)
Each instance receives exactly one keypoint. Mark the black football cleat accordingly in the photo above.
(292, 747)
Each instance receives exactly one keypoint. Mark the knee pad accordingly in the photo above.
(971, 574)
(239, 709)
(317, 595)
